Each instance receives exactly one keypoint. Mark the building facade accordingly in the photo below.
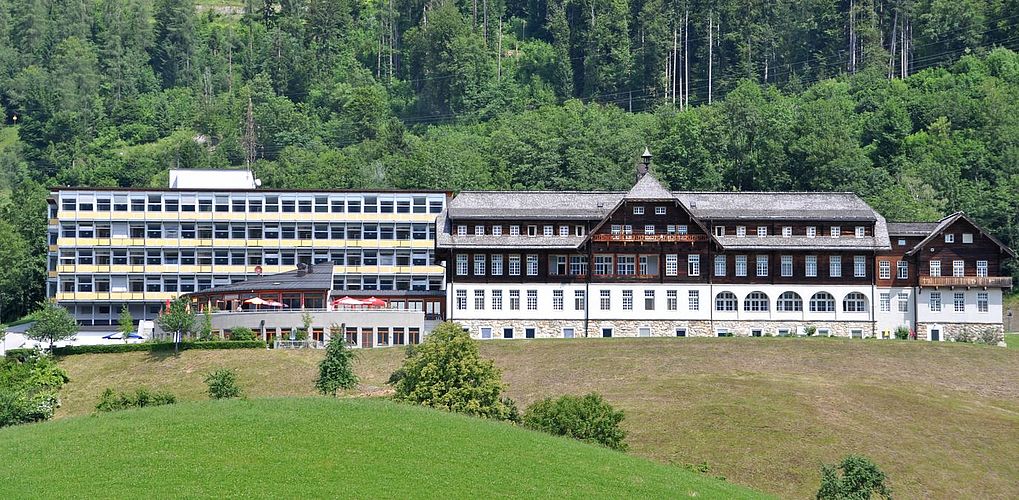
(142, 247)
(650, 262)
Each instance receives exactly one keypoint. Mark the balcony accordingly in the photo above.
(650, 238)
(967, 281)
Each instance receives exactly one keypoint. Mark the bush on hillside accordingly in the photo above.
(587, 418)
(222, 384)
(29, 384)
(857, 477)
(142, 397)
(902, 333)
(336, 370)
(809, 330)
(447, 372)
(242, 333)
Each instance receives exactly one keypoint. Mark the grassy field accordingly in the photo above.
(942, 419)
(1012, 340)
(322, 448)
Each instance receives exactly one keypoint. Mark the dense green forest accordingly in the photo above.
(913, 104)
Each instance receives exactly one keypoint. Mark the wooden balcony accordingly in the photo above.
(650, 238)
(967, 281)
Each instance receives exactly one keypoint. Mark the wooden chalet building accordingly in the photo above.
(650, 262)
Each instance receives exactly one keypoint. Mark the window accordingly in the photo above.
(579, 230)
(902, 300)
(967, 238)
(811, 231)
(627, 229)
(861, 231)
(741, 231)
(787, 265)
(958, 268)
(762, 231)
(854, 302)
(497, 300)
(671, 302)
(981, 268)
(564, 230)
(557, 300)
(461, 264)
(935, 268)
(789, 302)
(603, 264)
(719, 265)
(479, 265)
(694, 300)
(859, 266)
(902, 242)
(497, 230)
(902, 269)
(886, 302)
(693, 265)
(497, 265)
(548, 231)
(960, 302)
(982, 302)
(617, 229)
(514, 296)
(625, 265)
(649, 300)
(949, 238)
(741, 265)
(822, 302)
(649, 229)
(719, 230)
(579, 299)
(568, 333)
(725, 301)
(578, 265)
(638, 210)
(479, 299)
(479, 230)
(756, 302)
(461, 300)
(934, 302)
(884, 270)
(532, 230)
(671, 264)
(627, 300)
(532, 300)
(514, 265)
(514, 230)
(606, 332)
(835, 266)
(836, 231)
(461, 230)
(659, 210)
(648, 265)
(762, 265)
(532, 265)
(787, 231)
(605, 302)
(681, 332)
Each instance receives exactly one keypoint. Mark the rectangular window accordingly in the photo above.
(982, 302)
(532, 300)
(695, 300)
(557, 300)
(479, 300)
(532, 230)
(836, 231)
(719, 230)
(497, 230)
(741, 231)
(949, 238)
(461, 264)
(578, 265)
(532, 265)
(693, 265)
(861, 231)
(497, 265)
(787, 231)
(649, 229)
(935, 268)
(638, 210)
(605, 300)
(479, 230)
(461, 300)
(625, 265)
(514, 296)
(627, 300)
(982, 268)
(903, 301)
(934, 302)
(787, 265)
(885, 270)
(479, 265)
(564, 230)
(659, 210)
(649, 300)
(741, 265)
(762, 265)
(811, 231)
(514, 230)
(461, 230)
(497, 300)
(958, 268)
(859, 266)
(671, 302)
(960, 302)
(603, 265)
(811, 267)
(671, 264)
(627, 229)
(514, 265)
(548, 231)
(886, 302)
(967, 238)
(762, 231)
(719, 265)
(902, 269)
(617, 229)
(579, 299)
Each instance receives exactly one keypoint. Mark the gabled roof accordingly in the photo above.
(760, 205)
(952, 219)
(318, 277)
(577, 205)
(648, 188)
(911, 228)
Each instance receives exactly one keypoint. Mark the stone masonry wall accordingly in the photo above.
(952, 331)
(630, 328)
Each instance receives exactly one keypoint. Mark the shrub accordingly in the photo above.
(22, 406)
(28, 388)
(223, 384)
(336, 371)
(990, 336)
(965, 336)
(142, 397)
(902, 333)
(242, 333)
(205, 327)
(857, 477)
(447, 372)
(809, 330)
(587, 418)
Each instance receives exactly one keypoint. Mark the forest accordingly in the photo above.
(912, 104)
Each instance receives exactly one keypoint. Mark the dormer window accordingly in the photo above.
(787, 231)
(532, 230)
(762, 231)
(659, 210)
(461, 230)
(967, 238)
(564, 230)
(579, 230)
(836, 231)
(741, 231)
(479, 230)
(861, 231)
(497, 230)
(902, 242)
(514, 230)
(949, 238)
(811, 231)
(549, 231)
(638, 210)
(719, 230)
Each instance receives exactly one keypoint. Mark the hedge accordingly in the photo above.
(19, 354)
(156, 346)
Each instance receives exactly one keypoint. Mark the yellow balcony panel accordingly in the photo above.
(188, 269)
(53, 222)
(120, 269)
(66, 268)
(86, 242)
(53, 248)
(52, 274)
(86, 268)
(67, 214)
(86, 296)
(103, 242)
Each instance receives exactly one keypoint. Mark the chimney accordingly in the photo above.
(302, 269)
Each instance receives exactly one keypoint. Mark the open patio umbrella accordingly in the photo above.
(349, 301)
(273, 303)
(257, 301)
(375, 302)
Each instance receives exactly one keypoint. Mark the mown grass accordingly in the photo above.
(942, 419)
(322, 448)
(1012, 340)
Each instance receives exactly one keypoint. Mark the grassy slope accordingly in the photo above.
(1012, 340)
(322, 447)
(942, 419)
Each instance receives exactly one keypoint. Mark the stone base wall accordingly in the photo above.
(971, 331)
(630, 328)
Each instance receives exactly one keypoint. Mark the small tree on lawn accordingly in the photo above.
(177, 320)
(125, 325)
(447, 372)
(856, 478)
(52, 324)
(205, 328)
(336, 370)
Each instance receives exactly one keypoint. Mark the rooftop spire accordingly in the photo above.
(644, 164)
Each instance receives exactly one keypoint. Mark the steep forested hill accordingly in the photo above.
(914, 104)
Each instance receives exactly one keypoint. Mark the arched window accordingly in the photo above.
(756, 301)
(789, 302)
(725, 301)
(822, 302)
(854, 302)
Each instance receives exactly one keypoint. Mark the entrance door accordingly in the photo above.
(936, 334)
(366, 337)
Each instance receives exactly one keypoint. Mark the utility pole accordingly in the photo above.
(711, 15)
(248, 141)
(499, 49)
(686, 58)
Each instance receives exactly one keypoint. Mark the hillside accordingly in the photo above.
(322, 448)
(762, 412)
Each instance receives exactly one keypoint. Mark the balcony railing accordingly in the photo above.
(976, 281)
(650, 237)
